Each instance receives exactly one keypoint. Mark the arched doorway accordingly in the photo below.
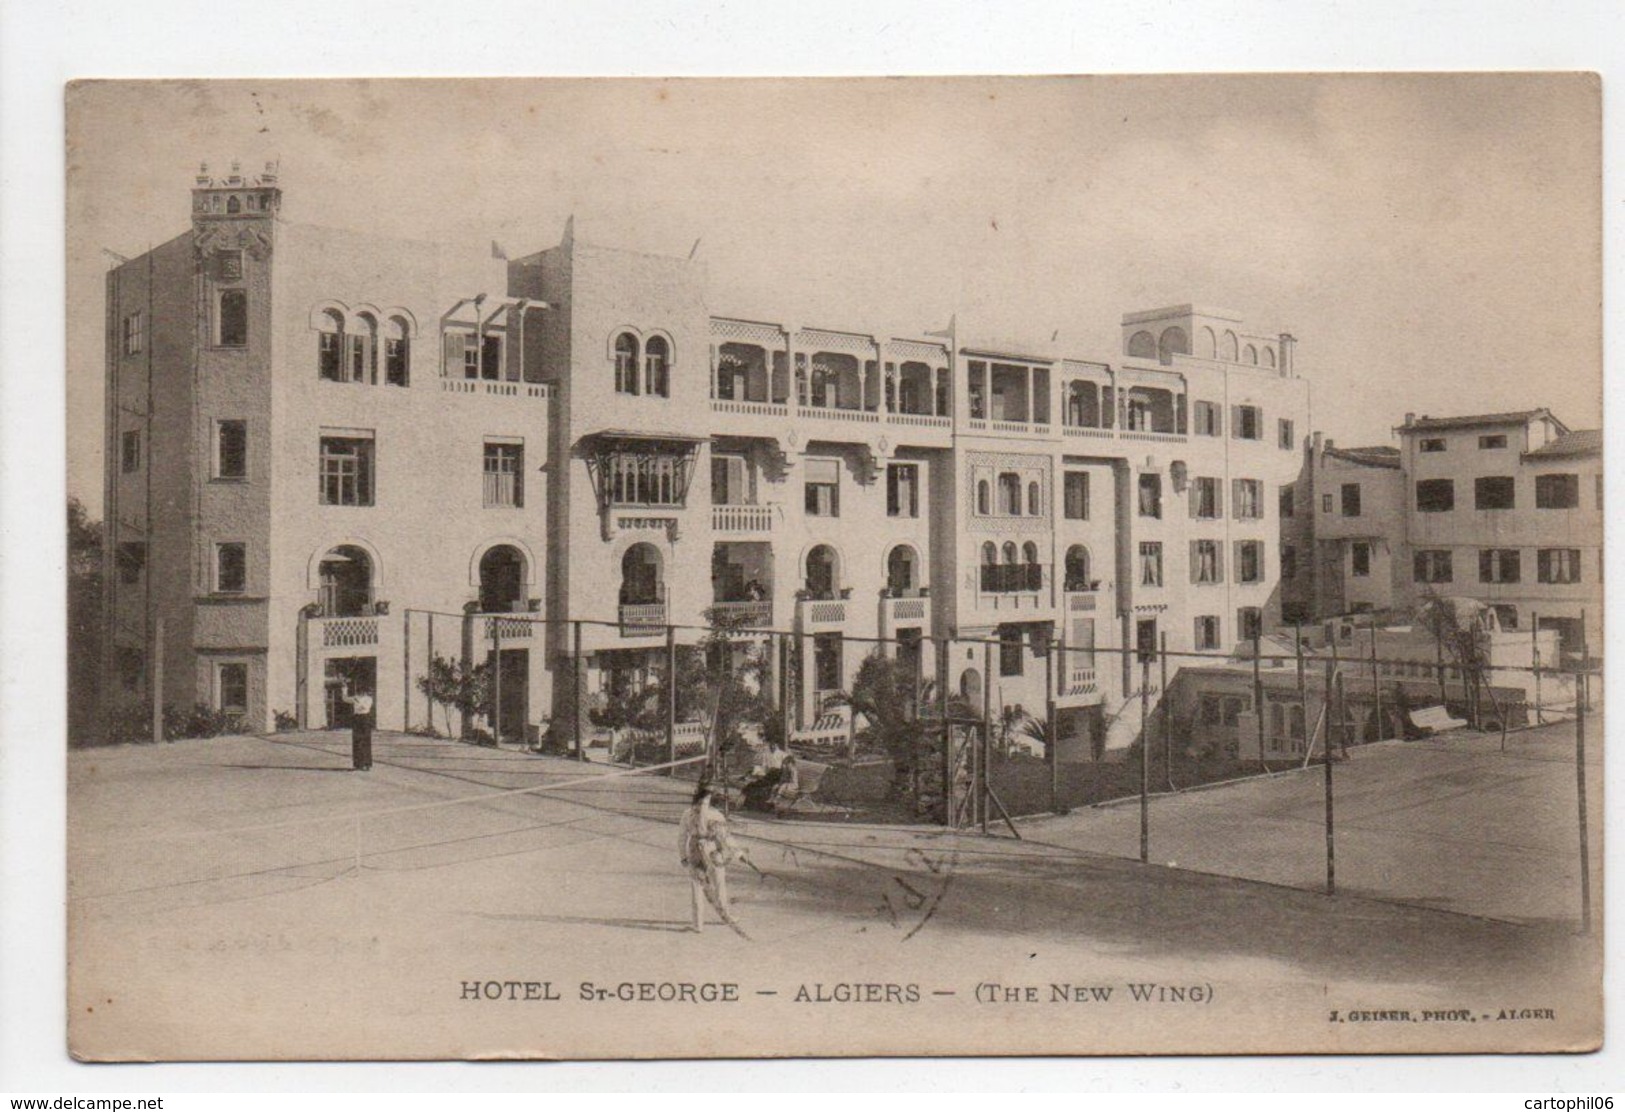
(970, 688)
(502, 580)
(640, 576)
(902, 570)
(346, 582)
(1077, 568)
(823, 578)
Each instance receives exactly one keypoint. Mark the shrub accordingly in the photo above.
(286, 722)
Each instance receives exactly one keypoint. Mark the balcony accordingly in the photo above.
(351, 632)
(817, 615)
(839, 413)
(742, 519)
(497, 389)
(1082, 596)
(997, 578)
(506, 628)
(751, 613)
(750, 409)
(1079, 680)
(642, 619)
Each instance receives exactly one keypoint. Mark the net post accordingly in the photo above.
(1050, 756)
(406, 671)
(671, 696)
(987, 726)
(947, 732)
(1167, 720)
(1376, 681)
(1534, 660)
(1145, 758)
(1580, 798)
(1258, 694)
(1326, 761)
(496, 679)
(577, 706)
(428, 694)
(158, 680)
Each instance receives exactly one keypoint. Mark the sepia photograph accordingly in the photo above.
(613, 568)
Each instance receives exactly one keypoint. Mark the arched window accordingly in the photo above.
(1010, 493)
(657, 367)
(1173, 342)
(640, 576)
(626, 363)
(359, 345)
(1029, 554)
(970, 687)
(901, 575)
(982, 506)
(502, 580)
(1250, 355)
(346, 582)
(1227, 350)
(990, 554)
(1269, 357)
(233, 204)
(330, 346)
(1032, 499)
(823, 579)
(1077, 568)
(397, 353)
(1142, 345)
(1009, 552)
(1209, 347)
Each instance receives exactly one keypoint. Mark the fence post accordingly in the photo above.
(1303, 693)
(1145, 758)
(496, 679)
(1342, 742)
(987, 726)
(1258, 696)
(1534, 661)
(947, 733)
(158, 680)
(1438, 668)
(1163, 714)
(1585, 835)
(406, 672)
(578, 707)
(1049, 727)
(1326, 760)
(428, 696)
(671, 697)
(1376, 682)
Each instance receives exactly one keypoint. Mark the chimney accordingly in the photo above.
(1410, 419)
(1330, 443)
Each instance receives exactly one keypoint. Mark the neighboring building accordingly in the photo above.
(1507, 508)
(311, 432)
(1358, 522)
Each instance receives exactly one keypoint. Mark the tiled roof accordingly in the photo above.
(1580, 442)
(1376, 456)
(1517, 417)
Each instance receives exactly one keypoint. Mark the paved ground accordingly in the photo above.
(248, 896)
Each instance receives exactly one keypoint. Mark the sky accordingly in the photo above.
(1432, 241)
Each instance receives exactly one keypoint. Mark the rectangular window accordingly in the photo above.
(1249, 495)
(1325, 503)
(1207, 499)
(1150, 563)
(130, 451)
(1076, 495)
(1493, 492)
(826, 662)
(1249, 623)
(1360, 559)
(1289, 562)
(504, 475)
(1145, 639)
(1150, 495)
(1287, 501)
(231, 688)
(729, 485)
(1432, 565)
(1247, 422)
(357, 358)
(1558, 565)
(131, 559)
(1011, 651)
(232, 318)
(1433, 444)
(1288, 437)
(902, 490)
(1498, 565)
(1351, 499)
(1435, 496)
(1207, 631)
(1249, 561)
(135, 333)
(645, 479)
(491, 357)
(823, 488)
(460, 355)
(230, 568)
(1557, 492)
(1207, 564)
(345, 475)
(1497, 441)
(231, 449)
(1205, 419)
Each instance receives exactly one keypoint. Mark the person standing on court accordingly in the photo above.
(706, 851)
(360, 728)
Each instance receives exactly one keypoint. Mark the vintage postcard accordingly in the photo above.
(736, 568)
